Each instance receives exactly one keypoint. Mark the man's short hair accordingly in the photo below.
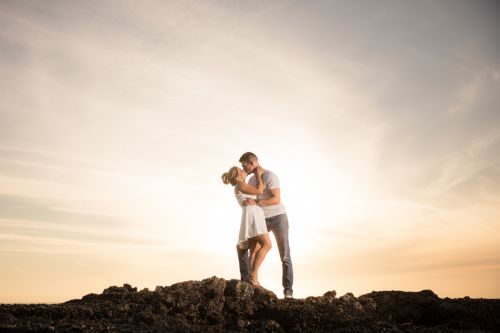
(248, 157)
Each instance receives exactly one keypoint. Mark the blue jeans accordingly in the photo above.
(278, 225)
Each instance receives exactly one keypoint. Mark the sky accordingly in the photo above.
(381, 120)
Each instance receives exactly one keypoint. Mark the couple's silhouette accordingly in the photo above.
(262, 212)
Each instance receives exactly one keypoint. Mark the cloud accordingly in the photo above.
(49, 210)
(467, 165)
(32, 231)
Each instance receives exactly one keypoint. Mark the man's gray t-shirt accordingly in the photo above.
(271, 182)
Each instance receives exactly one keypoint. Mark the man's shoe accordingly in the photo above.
(288, 294)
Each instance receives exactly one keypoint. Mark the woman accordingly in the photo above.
(253, 229)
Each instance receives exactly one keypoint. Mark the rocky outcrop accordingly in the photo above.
(218, 305)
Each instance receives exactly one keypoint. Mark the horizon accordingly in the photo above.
(381, 121)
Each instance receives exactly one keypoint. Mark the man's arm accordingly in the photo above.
(248, 201)
(273, 200)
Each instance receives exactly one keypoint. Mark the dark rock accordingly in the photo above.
(127, 288)
(330, 295)
(419, 308)
(7, 318)
(368, 303)
(218, 305)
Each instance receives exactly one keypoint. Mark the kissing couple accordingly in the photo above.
(262, 212)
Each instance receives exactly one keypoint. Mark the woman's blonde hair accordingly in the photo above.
(231, 177)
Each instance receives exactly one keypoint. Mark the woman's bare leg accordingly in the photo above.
(254, 247)
(252, 244)
(263, 245)
(252, 276)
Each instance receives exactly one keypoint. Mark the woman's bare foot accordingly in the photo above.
(253, 279)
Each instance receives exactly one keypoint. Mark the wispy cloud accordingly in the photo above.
(468, 95)
(41, 236)
(468, 162)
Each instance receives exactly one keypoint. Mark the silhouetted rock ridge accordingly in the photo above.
(218, 305)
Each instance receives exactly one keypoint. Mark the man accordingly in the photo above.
(276, 220)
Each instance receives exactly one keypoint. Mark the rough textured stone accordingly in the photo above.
(218, 305)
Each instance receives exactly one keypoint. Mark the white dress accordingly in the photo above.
(253, 221)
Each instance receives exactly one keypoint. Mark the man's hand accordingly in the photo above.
(249, 202)
(258, 171)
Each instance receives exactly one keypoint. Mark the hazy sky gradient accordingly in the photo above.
(381, 119)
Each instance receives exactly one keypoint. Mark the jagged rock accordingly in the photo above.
(368, 303)
(420, 308)
(218, 305)
(330, 295)
(127, 288)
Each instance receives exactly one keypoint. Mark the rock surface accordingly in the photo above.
(218, 305)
